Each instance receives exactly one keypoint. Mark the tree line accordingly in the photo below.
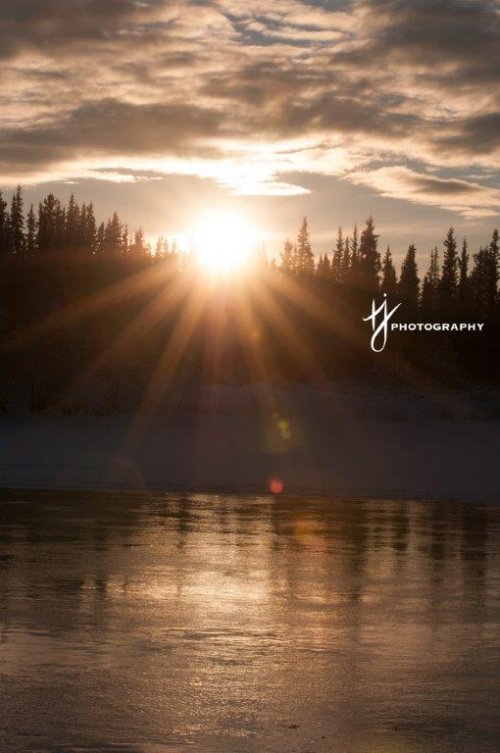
(75, 292)
(70, 230)
(456, 283)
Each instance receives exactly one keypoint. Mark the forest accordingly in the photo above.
(90, 314)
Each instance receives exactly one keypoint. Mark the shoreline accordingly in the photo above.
(311, 445)
(243, 493)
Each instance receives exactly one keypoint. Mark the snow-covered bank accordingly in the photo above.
(313, 441)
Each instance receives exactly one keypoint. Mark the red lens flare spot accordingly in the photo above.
(276, 486)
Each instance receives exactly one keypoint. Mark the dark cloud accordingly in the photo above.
(340, 114)
(113, 128)
(442, 186)
(463, 36)
(291, 101)
(476, 135)
(52, 24)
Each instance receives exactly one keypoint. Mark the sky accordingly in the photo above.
(330, 109)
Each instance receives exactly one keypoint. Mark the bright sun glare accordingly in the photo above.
(223, 242)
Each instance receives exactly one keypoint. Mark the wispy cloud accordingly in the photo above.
(399, 182)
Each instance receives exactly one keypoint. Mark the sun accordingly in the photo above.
(223, 242)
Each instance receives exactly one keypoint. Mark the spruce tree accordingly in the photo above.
(100, 240)
(17, 240)
(336, 267)
(138, 249)
(46, 240)
(305, 256)
(160, 249)
(125, 241)
(4, 226)
(409, 281)
(354, 252)
(430, 287)
(495, 254)
(113, 236)
(449, 284)
(463, 280)
(389, 283)
(88, 230)
(345, 266)
(369, 257)
(60, 225)
(31, 232)
(483, 284)
(73, 223)
(286, 258)
(324, 269)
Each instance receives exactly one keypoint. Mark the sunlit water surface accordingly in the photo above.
(142, 624)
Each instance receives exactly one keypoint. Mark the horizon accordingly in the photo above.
(183, 239)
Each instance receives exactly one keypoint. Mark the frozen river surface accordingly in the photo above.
(163, 623)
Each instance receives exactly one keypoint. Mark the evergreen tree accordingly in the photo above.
(159, 254)
(4, 226)
(31, 232)
(431, 284)
(73, 226)
(305, 256)
(286, 258)
(495, 253)
(100, 240)
(17, 240)
(172, 256)
(113, 236)
(60, 225)
(324, 270)
(483, 284)
(448, 284)
(88, 230)
(125, 241)
(409, 281)
(345, 266)
(369, 257)
(46, 240)
(354, 261)
(138, 248)
(338, 253)
(463, 280)
(389, 283)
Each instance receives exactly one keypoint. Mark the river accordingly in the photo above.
(167, 623)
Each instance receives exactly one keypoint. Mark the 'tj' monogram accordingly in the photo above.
(380, 329)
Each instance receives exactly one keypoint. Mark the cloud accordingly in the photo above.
(52, 26)
(246, 93)
(477, 135)
(108, 128)
(399, 182)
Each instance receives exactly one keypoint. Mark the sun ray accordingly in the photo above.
(84, 307)
(340, 324)
(278, 319)
(161, 304)
(167, 365)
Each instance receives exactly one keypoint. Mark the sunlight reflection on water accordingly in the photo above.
(167, 623)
